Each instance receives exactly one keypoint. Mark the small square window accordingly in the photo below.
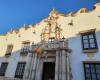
(89, 41)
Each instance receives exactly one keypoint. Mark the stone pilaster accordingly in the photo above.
(68, 68)
(64, 62)
(28, 67)
(34, 67)
(37, 69)
(62, 68)
(60, 65)
(40, 69)
(57, 66)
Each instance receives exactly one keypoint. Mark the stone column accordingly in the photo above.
(34, 67)
(57, 66)
(28, 67)
(38, 72)
(37, 69)
(60, 65)
(64, 62)
(31, 68)
(40, 69)
(68, 68)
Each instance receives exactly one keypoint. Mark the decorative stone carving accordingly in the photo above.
(54, 14)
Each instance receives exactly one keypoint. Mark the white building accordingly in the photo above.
(60, 47)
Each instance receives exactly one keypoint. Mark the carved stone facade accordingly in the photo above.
(60, 47)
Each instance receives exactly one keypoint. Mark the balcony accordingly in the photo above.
(54, 45)
(57, 45)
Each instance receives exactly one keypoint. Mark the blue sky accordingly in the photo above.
(16, 13)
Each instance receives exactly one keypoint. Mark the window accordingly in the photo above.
(20, 70)
(92, 71)
(3, 68)
(9, 49)
(25, 47)
(89, 41)
(51, 39)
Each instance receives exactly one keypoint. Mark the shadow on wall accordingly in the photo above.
(12, 60)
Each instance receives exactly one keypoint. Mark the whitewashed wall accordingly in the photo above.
(81, 22)
(77, 56)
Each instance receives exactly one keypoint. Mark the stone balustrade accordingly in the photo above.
(52, 45)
